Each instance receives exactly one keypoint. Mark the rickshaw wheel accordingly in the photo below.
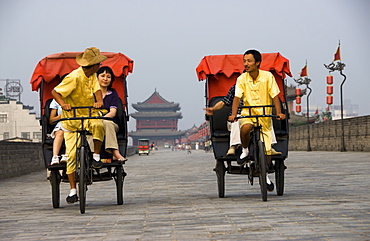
(120, 174)
(82, 185)
(220, 173)
(262, 170)
(279, 177)
(55, 187)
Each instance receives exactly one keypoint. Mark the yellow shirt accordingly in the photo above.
(259, 92)
(77, 90)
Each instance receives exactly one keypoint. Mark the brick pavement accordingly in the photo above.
(173, 196)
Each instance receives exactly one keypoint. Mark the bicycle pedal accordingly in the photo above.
(96, 164)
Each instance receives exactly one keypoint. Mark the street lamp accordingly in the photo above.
(337, 65)
(304, 80)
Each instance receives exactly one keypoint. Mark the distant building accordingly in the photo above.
(16, 121)
(157, 120)
(290, 97)
(197, 134)
(314, 110)
(349, 110)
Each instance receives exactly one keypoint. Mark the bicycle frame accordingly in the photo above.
(83, 154)
(259, 150)
(220, 72)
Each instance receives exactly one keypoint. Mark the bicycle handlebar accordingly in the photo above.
(257, 116)
(83, 117)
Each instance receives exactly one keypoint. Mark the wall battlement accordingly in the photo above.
(326, 136)
(19, 158)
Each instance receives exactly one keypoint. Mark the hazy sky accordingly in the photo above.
(168, 38)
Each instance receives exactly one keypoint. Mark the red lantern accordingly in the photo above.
(297, 108)
(298, 91)
(298, 100)
(329, 89)
(329, 99)
(329, 79)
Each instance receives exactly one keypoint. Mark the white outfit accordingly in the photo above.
(234, 129)
(273, 137)
(55, 105)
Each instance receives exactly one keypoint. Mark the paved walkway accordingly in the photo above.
(173, 196)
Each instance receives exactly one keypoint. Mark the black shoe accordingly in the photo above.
(243, 161)
(97, 164)
(270, 187)
(72, 199)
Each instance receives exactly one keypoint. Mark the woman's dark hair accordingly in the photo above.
(256, 55)
(108, 70)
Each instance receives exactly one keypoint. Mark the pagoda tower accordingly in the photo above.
(156, 120)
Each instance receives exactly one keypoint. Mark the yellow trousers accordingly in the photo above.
(266, 131)
(72, 141)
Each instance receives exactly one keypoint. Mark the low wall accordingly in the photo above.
(18, 158)
(132, 150)
(327, 136)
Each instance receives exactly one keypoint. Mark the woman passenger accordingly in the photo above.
(111, 102)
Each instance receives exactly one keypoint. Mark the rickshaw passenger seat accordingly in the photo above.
(121, 115)
(46, 124)
(218, 120)
(279, 125)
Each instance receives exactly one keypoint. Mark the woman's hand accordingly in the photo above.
(209, 110)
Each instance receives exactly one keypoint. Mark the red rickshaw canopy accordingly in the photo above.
(62, 63)
(49, 70)
(223, 70)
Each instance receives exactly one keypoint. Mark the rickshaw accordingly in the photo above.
(143, 146)
(46, 76)
(220, 73)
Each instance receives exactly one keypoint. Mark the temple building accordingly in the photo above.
(156, 120)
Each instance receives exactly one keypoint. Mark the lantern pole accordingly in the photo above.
(306, 81)
(343, 148)
(334, 67)
(308, 120)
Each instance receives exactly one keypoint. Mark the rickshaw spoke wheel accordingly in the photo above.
(251, 173)
(120, 174)
(83, 172)
(55, 187)
(262, 166)
(279, 177)
(220, 173)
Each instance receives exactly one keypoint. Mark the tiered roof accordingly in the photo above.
(156, 114)
(156, 103)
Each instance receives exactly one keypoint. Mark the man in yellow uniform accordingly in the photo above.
(81, 88)
(256, 87)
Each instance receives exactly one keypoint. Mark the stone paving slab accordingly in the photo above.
(173, 196)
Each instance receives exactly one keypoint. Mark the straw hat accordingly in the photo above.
(90, 56)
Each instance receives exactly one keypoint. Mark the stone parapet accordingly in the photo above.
(18, 158)
(327, 136)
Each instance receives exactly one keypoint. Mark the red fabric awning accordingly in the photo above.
(230, 64)
(61, 63)
(49, 70)
(223, 70)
